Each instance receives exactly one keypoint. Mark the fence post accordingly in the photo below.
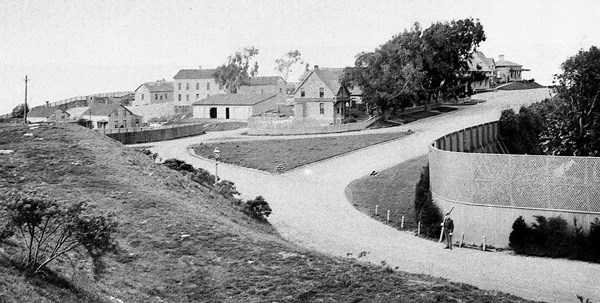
(376, 209)
(419, 228)
(402, 223)
(388, 216)
(462, 239)
(483, 246)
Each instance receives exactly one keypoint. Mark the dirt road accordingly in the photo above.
(310, 208)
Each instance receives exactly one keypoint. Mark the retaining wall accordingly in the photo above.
(153, 134)
(489, 191)
(290, 126)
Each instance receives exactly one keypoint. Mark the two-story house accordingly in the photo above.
(320, 97)
(111, 116)
(508, 71)
(154, 92)
(191, 85)
(486, 70)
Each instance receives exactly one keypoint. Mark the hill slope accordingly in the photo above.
(227, 257)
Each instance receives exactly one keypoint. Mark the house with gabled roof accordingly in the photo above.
(234, 106)
(47, 114)
(154, 92)
(111, 116)
(275, 85)
(191, 85)
(483, 72)
(320, 98)
(508, 71)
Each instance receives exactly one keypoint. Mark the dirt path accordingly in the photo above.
(310, 208)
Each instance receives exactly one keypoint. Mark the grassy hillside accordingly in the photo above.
(226, 258)
(521, 86)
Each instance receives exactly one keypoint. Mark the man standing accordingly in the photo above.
(448, 226)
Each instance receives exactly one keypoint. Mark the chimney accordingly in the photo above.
(316, 67)
(501, 58)
(47, 103)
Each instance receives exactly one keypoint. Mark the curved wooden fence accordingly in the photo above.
(153, 134)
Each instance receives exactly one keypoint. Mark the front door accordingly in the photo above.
(213, 112)
(227, 113)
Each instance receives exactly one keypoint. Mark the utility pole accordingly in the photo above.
(25, 108)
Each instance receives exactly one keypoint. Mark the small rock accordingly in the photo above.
(39, 139)
(34, 127)
(183, 237)
(250, 262)
(6, 151)
(28, 135)
(144, 222)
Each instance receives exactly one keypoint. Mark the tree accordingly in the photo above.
(19, 111)
(50, 231)
(237, 70)
(573, 127)
(447, 47)
(290, 63)
(391, 76)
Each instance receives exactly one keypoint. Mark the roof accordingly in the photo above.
(76, 112)
(234, 99)
(267, 80)
(506, 63)
(330, 76)
(101, 110)
(159, 86)
(42, 111)
(195, 74)
(479, 62)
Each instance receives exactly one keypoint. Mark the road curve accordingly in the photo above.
(311, 209)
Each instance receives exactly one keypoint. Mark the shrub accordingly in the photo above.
(521, 132)
(258, 208)
(519, 237)
(50, 231)
(202, 176)
(426, 211)
(179, 165)
(227, 189)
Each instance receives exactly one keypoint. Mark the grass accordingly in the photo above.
(268, 154)
(521, 86)
(393, 189)
(227, 257)
(408, 118)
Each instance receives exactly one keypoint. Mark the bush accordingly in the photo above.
(179, 165)
(426, 211)
(50, 231)
(258, 208)
(227, 189)
(202, 176)
(521, 133)
(554, 238)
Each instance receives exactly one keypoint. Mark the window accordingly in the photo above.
(179, 97)
(142, 96)
(125, 123)
(338, 110)
(187, 86)
(165, 96)
(179, 86)
(302, 93)
(208, 86)
(187, 97)
(161, 97)
(155, 96)
(322, 108)
(137, 122)
(197, 85)
(321, 92)
(281, 90)
(197, 96)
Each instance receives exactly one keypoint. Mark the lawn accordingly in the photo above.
(177, 240)
(393, 189)
(268, 154)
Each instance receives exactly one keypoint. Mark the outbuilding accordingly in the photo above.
(234, 106)
(47, 114)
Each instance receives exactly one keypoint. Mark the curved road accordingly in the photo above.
(311, 209)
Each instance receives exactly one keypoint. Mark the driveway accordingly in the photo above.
(311, 209)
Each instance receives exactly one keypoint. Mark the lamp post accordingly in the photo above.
(217, 154)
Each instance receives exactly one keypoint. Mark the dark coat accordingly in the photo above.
(448, 225)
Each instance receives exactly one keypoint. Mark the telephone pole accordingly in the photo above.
(25, 108)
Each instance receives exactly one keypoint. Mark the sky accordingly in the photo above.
(81, 47)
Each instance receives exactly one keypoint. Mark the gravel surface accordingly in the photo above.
(310, 208)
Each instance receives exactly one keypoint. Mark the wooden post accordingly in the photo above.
(483, 246)
(388, 216)
(376, 208)
(462, 239)
(441, 235)
(419, 228)
(402, 223)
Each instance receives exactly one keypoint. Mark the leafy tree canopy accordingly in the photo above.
(290, 63)
(416, 64)
(237, 70)
(19, 111)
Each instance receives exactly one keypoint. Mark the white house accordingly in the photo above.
(154, 92)
(234, 106)
(111, 116)
(47, 114)
(191, 85)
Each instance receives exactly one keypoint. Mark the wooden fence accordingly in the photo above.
(153, 134)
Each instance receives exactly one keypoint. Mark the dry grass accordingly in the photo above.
(268, 154)
(226, 258)
(393, 189)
